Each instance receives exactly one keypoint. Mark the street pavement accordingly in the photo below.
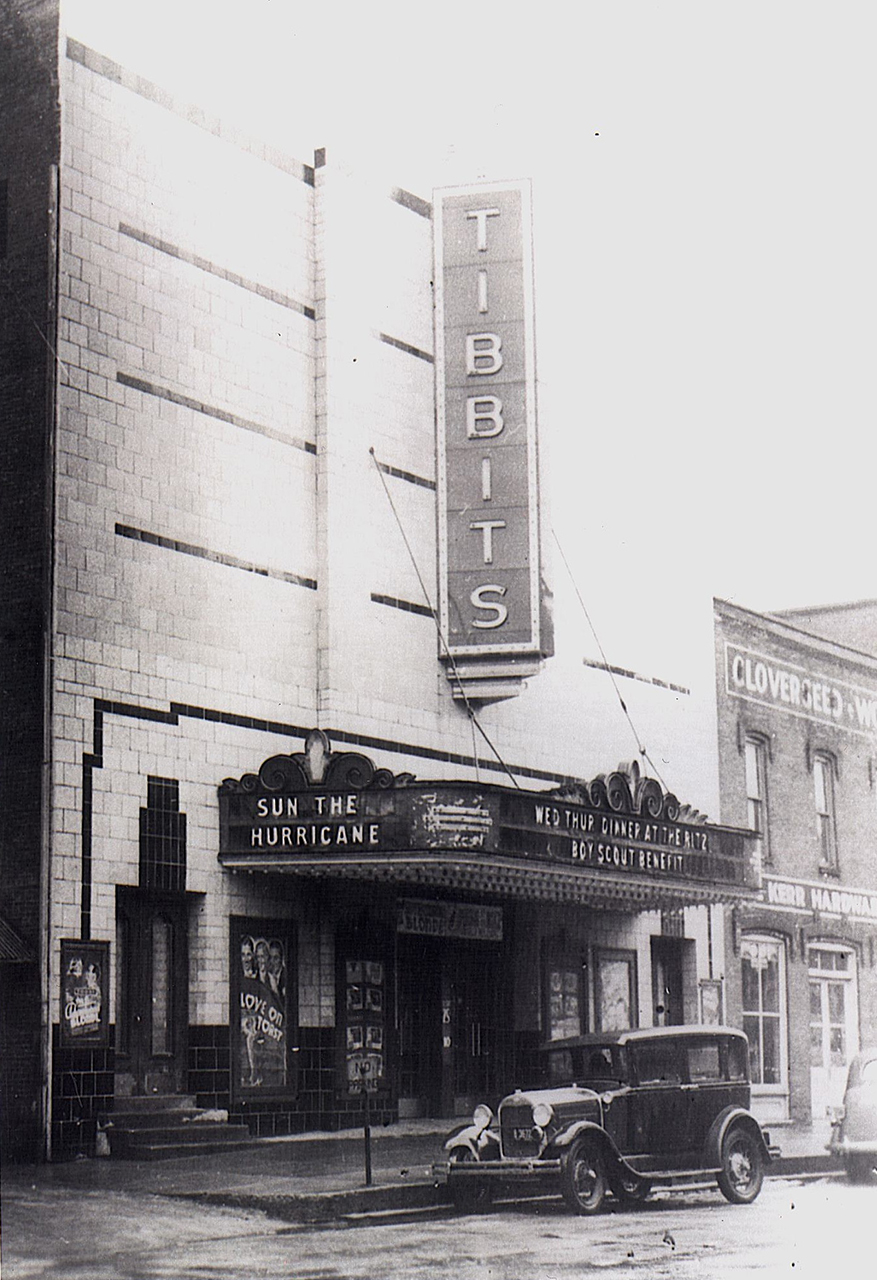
(314, 1177)
(805, 1227)
(227, 1215)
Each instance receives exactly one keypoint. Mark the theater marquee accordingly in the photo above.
(612, 841)
(488, 490)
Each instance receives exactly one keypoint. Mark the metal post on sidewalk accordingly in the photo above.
(366, 1126)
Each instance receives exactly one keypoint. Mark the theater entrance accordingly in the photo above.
(452, 1039)
(152, 983)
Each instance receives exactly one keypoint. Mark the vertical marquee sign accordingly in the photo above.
(488, 499)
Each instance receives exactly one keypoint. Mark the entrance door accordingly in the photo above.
(450, 1019)
(152, 982)
(833, 1023)
(667, 1002)
(418, 969)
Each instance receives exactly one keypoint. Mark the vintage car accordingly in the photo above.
(619, 1112)
(854, 1128)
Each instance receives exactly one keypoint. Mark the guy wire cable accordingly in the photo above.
(611, 674)
(469, 708)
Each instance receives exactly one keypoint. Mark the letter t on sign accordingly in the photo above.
(481, 216)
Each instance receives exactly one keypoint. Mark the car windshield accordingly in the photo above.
(583, 1064)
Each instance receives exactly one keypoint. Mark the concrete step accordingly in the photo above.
(173, 1150)
(156, 1102)
(176, 1118)
(210, 1133)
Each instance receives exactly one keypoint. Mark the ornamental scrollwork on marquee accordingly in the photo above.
(628, 791)
(317, 766)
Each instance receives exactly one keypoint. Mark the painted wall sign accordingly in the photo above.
(449, 920)
(810, 897)
(799, 691)
(84, 978)
(488, 497)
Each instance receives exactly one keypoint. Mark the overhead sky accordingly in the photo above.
(706, 272)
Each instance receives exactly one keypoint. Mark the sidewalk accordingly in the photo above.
(321, 1177)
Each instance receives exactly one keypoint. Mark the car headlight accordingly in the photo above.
(482, 1116)
(542, 1114)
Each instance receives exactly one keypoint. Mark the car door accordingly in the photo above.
(707, 1089)
(658, 1106)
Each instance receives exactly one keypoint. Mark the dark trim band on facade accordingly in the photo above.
(634, 675)
(407, 606)
(407, 348)
(203, 264)
(94, 759)
(211, 411)
(103, 66)
(217, 557)
(409, 201)
(410, 476)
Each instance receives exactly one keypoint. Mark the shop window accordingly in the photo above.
(616, 990)
(565, 1012)
(755, 762)
(763, 974)
(823, 785)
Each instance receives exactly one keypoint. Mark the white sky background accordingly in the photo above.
(706, 272)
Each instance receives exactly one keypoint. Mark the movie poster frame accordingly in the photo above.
(258, 927)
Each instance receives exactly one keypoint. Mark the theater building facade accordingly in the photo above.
(297, 807)
(797, 693)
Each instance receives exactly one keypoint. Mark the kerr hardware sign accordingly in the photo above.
(812, 897)
(800, 691)
(337, 807)
(488, 500)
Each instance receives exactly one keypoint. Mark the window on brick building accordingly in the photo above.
(823, 788)
(764, 1014)
(755, 761)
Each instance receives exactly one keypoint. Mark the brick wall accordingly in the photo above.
(28, 152)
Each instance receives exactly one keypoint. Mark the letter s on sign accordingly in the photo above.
(477, 598)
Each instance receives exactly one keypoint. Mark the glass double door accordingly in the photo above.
(152, 982)
(449, 1024)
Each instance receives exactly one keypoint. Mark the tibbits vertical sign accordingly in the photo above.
(488, 485)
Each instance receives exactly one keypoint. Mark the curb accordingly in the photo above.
(326, 1206)
(333, 1206)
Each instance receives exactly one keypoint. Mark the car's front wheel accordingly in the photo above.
(468, 1194)
(861, 1168)
(583, 1176)
(742, 1170)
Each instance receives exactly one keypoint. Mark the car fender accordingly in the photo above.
(563, 1141)
(724, 1120)
(482, 1143)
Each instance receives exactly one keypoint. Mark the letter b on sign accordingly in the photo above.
(483, 417)
(483, 353)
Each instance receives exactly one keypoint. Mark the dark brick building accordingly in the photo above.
(29, 153)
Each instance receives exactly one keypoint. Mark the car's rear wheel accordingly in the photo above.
(469, 1194)
(861, 1168)
(583, 1176)
(742, 1166)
